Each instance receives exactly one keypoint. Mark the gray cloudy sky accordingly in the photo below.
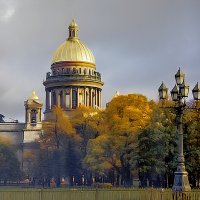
(136, 44)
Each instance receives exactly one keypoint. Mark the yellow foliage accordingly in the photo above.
(128, 113)
(57, 127)
(119, 124)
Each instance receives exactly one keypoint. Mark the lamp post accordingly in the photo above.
(181, 186)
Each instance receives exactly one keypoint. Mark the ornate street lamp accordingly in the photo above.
(196, 92)
(179, 77)
(162, 91)
(184, 89)
(181, 187)
(175, 93)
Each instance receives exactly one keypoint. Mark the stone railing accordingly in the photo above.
(73, 77)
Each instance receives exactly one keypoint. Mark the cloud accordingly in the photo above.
(136, 44)
(7, 10)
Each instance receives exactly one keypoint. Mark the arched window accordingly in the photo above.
(33, 116)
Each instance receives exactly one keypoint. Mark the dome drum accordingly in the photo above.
(73, 78)
(74, 70)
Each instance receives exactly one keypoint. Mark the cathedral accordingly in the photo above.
(73, 81)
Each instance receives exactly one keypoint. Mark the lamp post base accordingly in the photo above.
(181, 188)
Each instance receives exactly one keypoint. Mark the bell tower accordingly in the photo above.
(33, 117)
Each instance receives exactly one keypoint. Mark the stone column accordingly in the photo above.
(96, 97)
(40, 114)
(71, 98)
(37, 115)
(93, 98)
(85, 97)
(29, 116)
(26, 115)
(47, 100)
(57, 98)
(77, 97)
(100, 98)
(52, 100)
(90, 96)
(64, 98)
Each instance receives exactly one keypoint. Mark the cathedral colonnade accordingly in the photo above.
(73, 97)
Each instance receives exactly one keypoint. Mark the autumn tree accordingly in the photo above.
(88, 123)
(123, 119)
(58, 142)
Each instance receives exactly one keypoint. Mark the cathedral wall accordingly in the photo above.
(31, 135)
(13, 132)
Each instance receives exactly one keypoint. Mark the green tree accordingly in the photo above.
(9, 164)
(156, 152)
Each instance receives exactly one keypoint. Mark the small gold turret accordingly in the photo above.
(33, 107)
(73, 30)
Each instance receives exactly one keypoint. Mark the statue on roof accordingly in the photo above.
(2, 118)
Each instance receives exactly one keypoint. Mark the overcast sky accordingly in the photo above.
(136, 44)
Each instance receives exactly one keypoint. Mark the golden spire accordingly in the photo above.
(73, 30)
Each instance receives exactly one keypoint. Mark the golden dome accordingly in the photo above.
(73, 49)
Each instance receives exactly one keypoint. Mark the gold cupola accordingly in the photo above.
(33, 98)
(73, 49)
